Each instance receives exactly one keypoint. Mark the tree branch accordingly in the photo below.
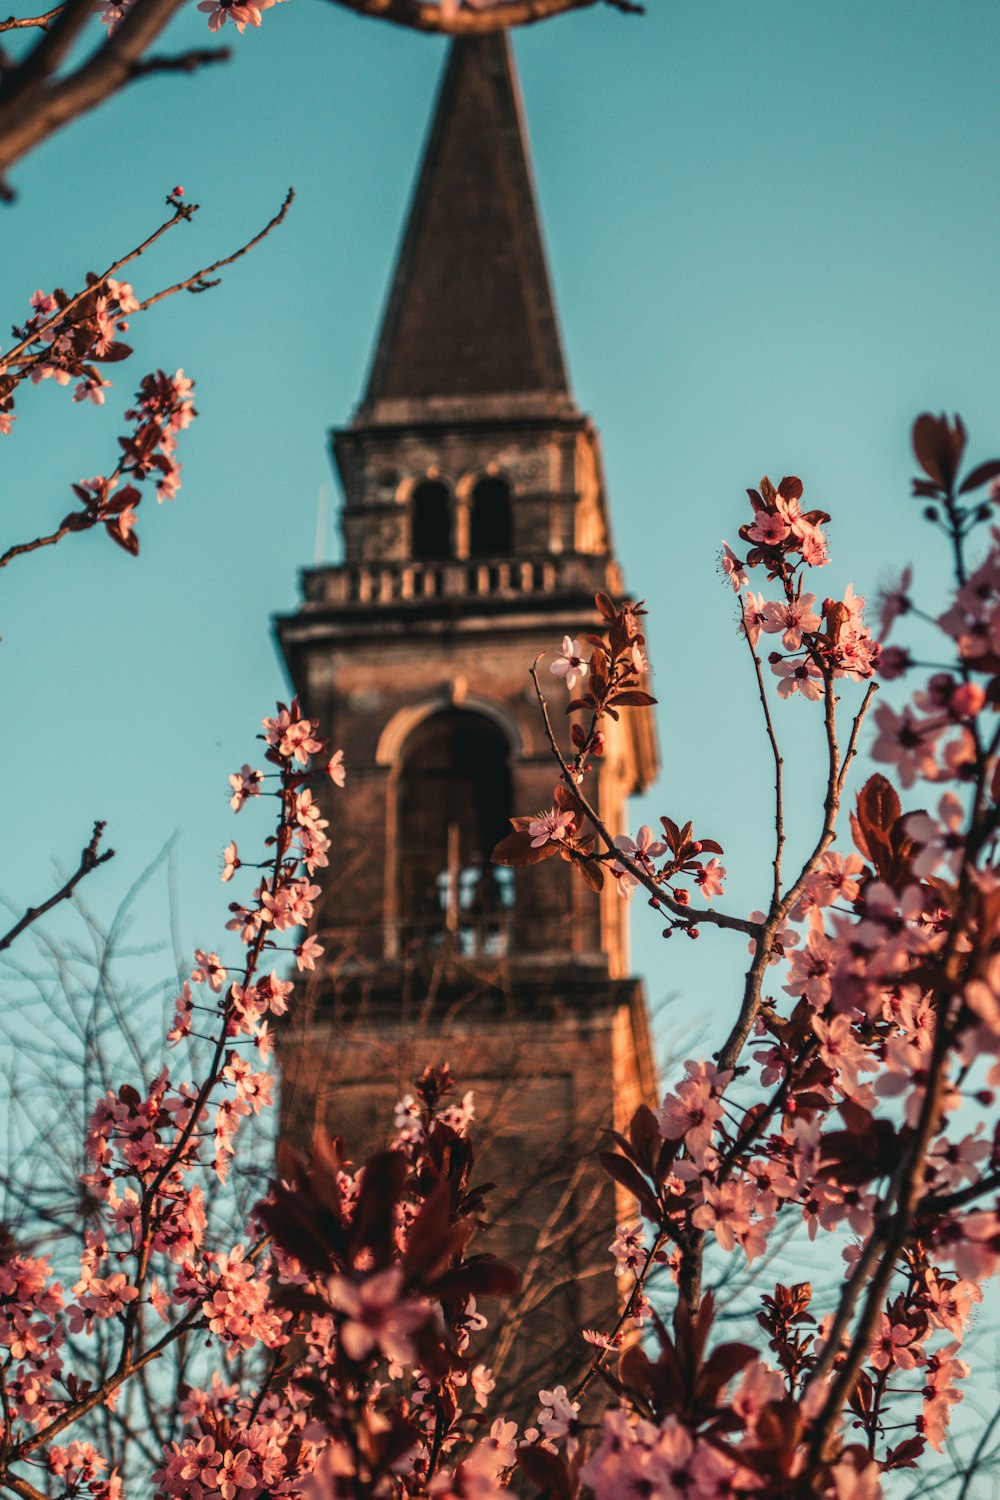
(199, 282)
(693, 918)
(42, 22)
(477, 18)
(89, 860)
(34, 104)
(779, 803)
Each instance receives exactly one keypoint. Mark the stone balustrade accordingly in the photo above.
(408, 582)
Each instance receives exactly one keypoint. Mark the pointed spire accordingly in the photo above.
(470, 328)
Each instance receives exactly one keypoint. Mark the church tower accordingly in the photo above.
(475, 535)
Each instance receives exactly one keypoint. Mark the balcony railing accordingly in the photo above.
(367, 583)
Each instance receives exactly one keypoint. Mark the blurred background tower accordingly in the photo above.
(476, 534)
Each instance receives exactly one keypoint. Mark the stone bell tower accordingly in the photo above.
(475, 534)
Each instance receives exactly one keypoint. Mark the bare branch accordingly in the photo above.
(40, 541)
(693, 918)
(21, 23)
(779, 804)
(474, 19)
(34, 103)
(199, 282)
(182, 62)
(89, 860)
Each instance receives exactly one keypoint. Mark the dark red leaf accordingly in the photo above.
(486, 1277)
(592, 873)
(629, 1178)
(125, 539)
(516, 850)
(644, 1133)
(938, 446)
(113, 353)
(373, 1225)
(979, 476)
(720, 1367)
(546, 1471)
(429, 1243)
(633, 698)
(906, 1455)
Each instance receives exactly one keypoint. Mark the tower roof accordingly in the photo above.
(470, 327)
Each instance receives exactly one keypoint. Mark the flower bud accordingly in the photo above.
(967, 699)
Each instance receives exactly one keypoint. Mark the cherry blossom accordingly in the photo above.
(376, 1315)
(734, 570)
(571, 665)
(549, 827)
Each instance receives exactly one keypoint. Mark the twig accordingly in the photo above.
(40, 541)
(693, 918)
(181, 62)
(36, 99)
(197, 282)
(852, 743)
(182, 211)
(779, 804)
(42, 22)
(89, 860)
(627, 1311)
(977, 1456)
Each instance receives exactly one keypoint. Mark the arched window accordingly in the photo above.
(454, 806)
(431, 533)
(490, 530)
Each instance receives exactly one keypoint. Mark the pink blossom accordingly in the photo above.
(690, 1113)
(376, 1315)
(182, 1016)
(841, 1050)
(558, 1414)
(768, 529)
(242, 15)
(336, 769)
(230, 861)
(245, 784)
(907, 743)
(753, 616)
(792, 616)
(710, 878)
(802, 677)
(549, 827)
(734, 569)
(208, 969)
(642, 851)
(628, 1249)
(599, 1340)
(307, 952)
(894, 600)
(571, 665)
(288, 732)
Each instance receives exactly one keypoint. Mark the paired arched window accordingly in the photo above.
(490, 524)
(490, 529)
(431, 522)
(454, 805)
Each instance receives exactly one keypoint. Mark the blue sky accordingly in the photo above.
(773, 234)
